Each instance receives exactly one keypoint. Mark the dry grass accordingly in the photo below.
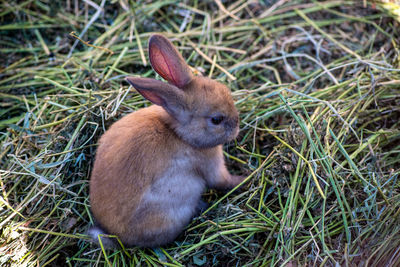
(317, 84)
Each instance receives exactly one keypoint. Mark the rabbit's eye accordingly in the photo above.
(217, 119)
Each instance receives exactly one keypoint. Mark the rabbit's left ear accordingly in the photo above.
(168, 62)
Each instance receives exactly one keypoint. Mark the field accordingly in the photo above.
(317, 85)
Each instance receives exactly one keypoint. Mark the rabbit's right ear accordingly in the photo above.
(170, 97)
(168, 62)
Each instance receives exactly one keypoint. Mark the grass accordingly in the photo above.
(317, 84)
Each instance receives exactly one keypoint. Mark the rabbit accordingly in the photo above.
(152, 165)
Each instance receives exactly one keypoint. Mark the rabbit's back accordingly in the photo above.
(144, 183)
(128, 159)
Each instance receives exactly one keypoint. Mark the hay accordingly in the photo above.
(317, 85)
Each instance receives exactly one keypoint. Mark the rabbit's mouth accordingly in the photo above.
(208, 136)
(229, 135)
(207, 141)
(234, 134)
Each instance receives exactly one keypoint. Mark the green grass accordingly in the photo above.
(317, 84)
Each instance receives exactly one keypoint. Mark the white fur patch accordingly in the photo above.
(96, 232)
(178, 191)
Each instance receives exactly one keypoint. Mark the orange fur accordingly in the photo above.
(126, 151)
(152, 165)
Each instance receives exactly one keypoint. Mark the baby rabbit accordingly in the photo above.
(152, 165)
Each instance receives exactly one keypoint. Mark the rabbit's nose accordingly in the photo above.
(236, 119)
(233, 122)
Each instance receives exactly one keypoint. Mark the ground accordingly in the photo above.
(317, 85)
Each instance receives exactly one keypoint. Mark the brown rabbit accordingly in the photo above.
(152, 165)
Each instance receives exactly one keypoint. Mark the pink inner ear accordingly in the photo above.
(151, 96)
(168, 62)
(164, 66)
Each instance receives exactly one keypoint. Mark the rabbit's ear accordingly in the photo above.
(168, 62)
(170, 97)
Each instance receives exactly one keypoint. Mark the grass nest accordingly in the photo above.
(317, 84)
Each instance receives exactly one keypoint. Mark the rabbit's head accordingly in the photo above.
(203, 111)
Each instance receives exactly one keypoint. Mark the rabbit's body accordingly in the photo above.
(152, 165)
